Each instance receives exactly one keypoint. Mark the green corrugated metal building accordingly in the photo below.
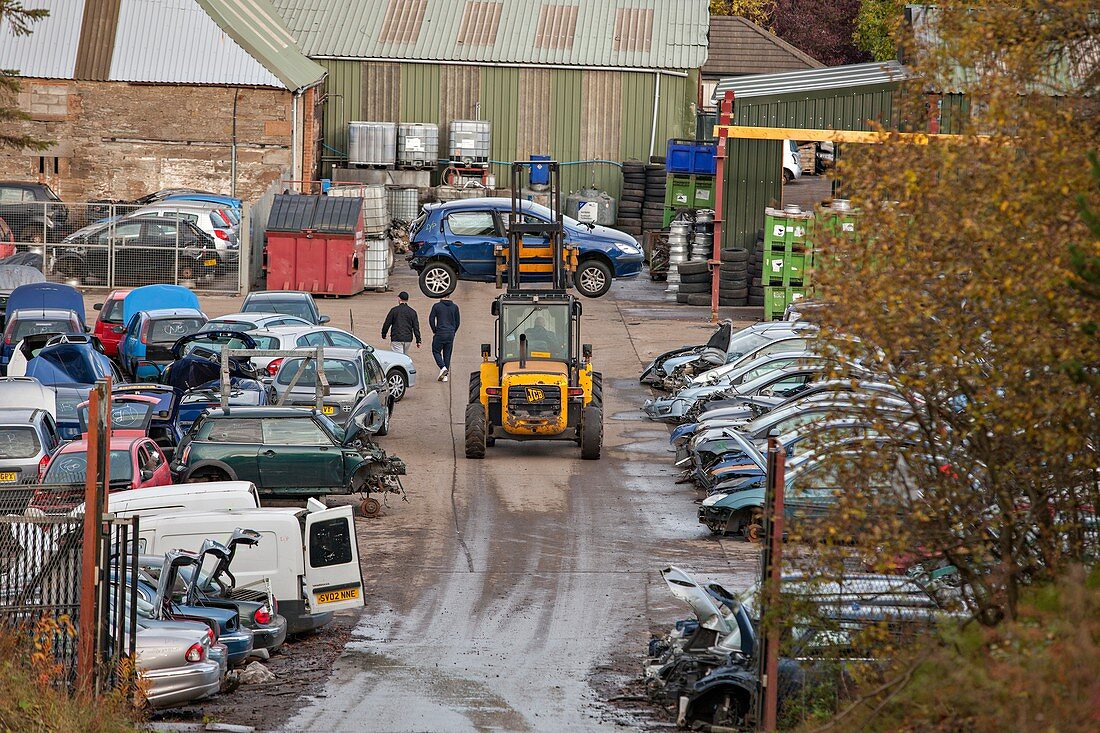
(574, 79)
(834, 98)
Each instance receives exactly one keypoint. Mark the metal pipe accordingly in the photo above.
(656, 106)
(724, 114)
(294, 172)
(571, 67)
(233, 149)
(772, 565)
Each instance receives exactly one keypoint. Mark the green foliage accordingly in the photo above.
(877, 26)
(34, 696)
(19, 20)
(1035, 673)
(758, 11)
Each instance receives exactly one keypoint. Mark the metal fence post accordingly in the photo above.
(244, 251)
(96, 482)
(771, 566)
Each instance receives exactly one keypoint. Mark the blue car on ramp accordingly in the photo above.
(457, 240)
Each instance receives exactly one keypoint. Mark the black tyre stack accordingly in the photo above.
(756, 272)
(633, 196)
(653, 208)
(734, 278)
(695, 281)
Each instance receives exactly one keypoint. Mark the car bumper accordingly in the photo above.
(416, 263)
(179, 685)
(270, 637)
(239, 643)
(299, 620)
(628, 265)
(665, 409)
(412, 377)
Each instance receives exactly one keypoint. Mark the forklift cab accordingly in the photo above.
(543, 328)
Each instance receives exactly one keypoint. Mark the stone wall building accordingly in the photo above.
(139, 95)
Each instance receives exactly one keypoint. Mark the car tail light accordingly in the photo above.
(576, 392)
(224, 216)
(273, 367)
(145, 332)
(221, 234)
(210, 635)
(492, 391)
(262, 616)
(185, 455)
(195, 653)
(42, 465)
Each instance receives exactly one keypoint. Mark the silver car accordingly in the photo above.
(28, 437)
(398, 368)
(353, 376)
(213, 219)
(177, 662)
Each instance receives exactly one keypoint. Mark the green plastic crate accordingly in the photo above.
(680, 192)
(776, 301)
(784, 230)
(704, 192)
(786, 268)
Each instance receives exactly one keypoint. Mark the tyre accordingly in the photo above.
(756, 292)
(597, 389)
(385, 429)
(477, 430)
(398, 383)
(756, 300)
(438, 279)
(787, 176)
(734, 292)
(206, 474)
(735, 255)
(693, 268)
(591, 432)
(703, 287)
(31, 235)
(701, 299)
(592, 279)
(682, 298)
(758, 282)
(475, 387)
(702, 278)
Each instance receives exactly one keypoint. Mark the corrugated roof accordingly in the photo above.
(651, 34)
(810, 80)
(738, 46)
(239, 42)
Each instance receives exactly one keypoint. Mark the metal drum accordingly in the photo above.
(678, 232)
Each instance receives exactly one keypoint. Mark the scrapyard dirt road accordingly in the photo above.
(516, 592)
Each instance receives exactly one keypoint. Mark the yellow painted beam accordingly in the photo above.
(836, 136)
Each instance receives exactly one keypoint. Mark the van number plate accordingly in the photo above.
(335, 596)
(8, 476)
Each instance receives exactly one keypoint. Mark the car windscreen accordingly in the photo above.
(747, 343)
(66, 403)
(266, 342)
(171, 330)
(338, 372)
(112, 311)
(24, 327)
(18, 441)
(545, 326)
(72, 361)
(229, 324)
(71, 468)
(286, 307)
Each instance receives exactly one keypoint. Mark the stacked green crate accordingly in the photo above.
(788, 258)
(684, 191)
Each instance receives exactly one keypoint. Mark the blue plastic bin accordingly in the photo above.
(691, 157)
(540, 174)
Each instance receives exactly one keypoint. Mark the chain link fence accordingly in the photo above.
(115, 245)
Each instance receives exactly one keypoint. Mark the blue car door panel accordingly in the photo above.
(471, 237)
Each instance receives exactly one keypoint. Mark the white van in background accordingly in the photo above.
(310, 556)
(792, 161)
(175, 498)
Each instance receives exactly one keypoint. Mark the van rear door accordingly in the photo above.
(334, 580)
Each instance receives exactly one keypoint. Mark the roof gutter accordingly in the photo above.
(498, 64)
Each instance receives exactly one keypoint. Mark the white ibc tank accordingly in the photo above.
(417, 145)
(372, 143)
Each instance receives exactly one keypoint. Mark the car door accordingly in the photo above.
(343, 340)
(334, 579)
(298, 454)
(471, 237)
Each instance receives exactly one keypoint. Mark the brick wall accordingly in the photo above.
(119, 140)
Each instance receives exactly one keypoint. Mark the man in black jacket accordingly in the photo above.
(444, 321)
(402, 324)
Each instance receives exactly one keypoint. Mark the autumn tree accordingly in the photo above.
(18, 20)
(876, 28)
(758, 11)
(824, 30)
(957, 291)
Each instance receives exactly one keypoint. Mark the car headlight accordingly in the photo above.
(714, 499)
(629, 249)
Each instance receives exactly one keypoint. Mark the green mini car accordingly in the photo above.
(290, 452)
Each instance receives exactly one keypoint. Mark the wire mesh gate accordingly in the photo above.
(111, 245)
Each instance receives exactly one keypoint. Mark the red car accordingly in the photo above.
(109, 326)
(137, 462)
(7, 240)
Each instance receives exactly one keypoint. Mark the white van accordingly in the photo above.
(310, 555)
(204, 497)
(792, 161)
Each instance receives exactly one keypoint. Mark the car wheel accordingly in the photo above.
(204, 475)
(787, 176)
(31, 234)
(438, 279)
(593, 278)
(398, 383)
(370, 507)
(385, 429)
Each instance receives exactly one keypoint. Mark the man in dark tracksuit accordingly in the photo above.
(402, 324)
(444, 321)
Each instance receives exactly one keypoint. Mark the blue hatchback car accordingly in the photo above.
(456, 240)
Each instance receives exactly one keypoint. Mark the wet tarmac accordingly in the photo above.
(504, 585)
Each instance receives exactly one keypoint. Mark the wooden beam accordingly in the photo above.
(837, 136)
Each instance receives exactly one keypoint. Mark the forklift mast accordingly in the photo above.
(553, 256)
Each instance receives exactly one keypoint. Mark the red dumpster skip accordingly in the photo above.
(315, 244)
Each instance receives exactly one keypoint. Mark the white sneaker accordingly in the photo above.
(446, 378)
(442, 373)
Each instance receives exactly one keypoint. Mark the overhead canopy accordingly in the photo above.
(850, 76)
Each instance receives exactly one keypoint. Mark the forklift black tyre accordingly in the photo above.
(438, 279)
(591, 432)
(597, 389)
(475, 387)
(477, 431)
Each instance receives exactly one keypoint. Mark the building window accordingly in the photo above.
(48, 164)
